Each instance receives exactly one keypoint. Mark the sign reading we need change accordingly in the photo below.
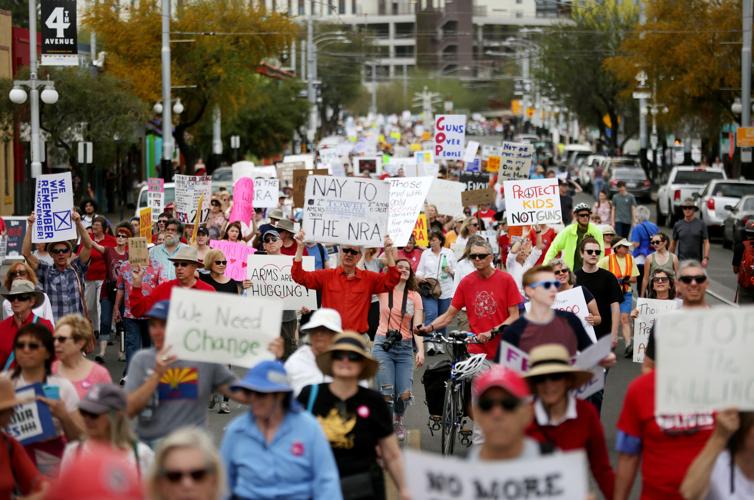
(535, 201)
(270, 277)
(53, 203)
(554, 476)
(221, 328)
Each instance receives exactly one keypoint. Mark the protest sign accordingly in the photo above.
(474, 166)
(188, 190)
(446, 196)
(266, 192)
(15, 229)
(478, 197)
(474, 180)
(407, 195)
(221, 328)
(573, 301)
(243, 169)
(512, 357)
(236, 254)
(307, 159)
(648, 309)
(704, 360)
(367, 166)
(53, 203)
(270, 277)
(450, 136)
(145, 222)
(535, 201)
(554, 476)
(470, 153)
(31, 421)
(346, 210)
(299, 184)
(156, 196)
(243, 201)
(424, 157)
(421, 231)
(138, 252)
(493, 164)
(516, 161)
(285, 171)
(394, 166)
(3, 247)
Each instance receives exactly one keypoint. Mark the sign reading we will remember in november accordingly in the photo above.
(407, 196)
(535, 201)
(346, 210)
(53, 203)
(188, 190)
(221, 328)
(553, 476)
(704, 360)
(450, 136)
(648, 309)
(270, 277)
(515, 160)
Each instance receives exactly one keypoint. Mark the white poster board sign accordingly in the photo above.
(270, 277)
(470, 153)
(346, 210)
(446, 196)
(704, 360)
(221, 328)
(407, 195)
(307, 159)
(535, 201)
(649, 309)
(367, 165)
(156, 196)
(516, 160)
(266, 191)
(573, 301)
(555, 476)
(242, 169)
(188, 190)
(53, 203)
(450, 136)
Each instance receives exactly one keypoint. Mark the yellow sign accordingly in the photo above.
(493, 164)
(516, 106)
(745, 137)
(145, 223)
(420, 231)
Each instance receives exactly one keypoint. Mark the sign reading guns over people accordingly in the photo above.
(534, 201)
(53, 202)
(704, 360)
(221, 328)
(555, 476)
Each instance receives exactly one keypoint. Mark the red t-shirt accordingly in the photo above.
(23, 475)
(669, 443)
(504, 243)
(486, 301)
(8, 331)
(291, 250)
(97, 268)
(547, 238)
(413, 257)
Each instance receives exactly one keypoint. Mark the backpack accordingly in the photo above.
(746, 268)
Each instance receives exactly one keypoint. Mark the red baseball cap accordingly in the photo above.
(502, 377)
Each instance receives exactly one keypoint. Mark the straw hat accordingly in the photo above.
(553, 358)
(622, 243)
(185, 254)
(8, 397)
(352, 342)
(285, 225)
(21, 287)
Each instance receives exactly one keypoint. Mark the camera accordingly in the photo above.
(392, 338)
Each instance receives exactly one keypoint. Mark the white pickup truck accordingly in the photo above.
(683, 182)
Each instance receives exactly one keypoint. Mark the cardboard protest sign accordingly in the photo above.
(407, 195)
(704, 360)
(53, 202)
(517, 158)
(221, 328)
(236, 254)
(156, 196)
(346, 210)
(285, 171)
(649, 309)
(421, 231)
(535, 201)
(493, 164)
(554, 476)
(31, 421)
(243, 201)
(145, 222)
(188, 190)
(474, 180)
(470, 153)
(266, 192)
(15, 229)
(299, 184)
(367, 166)
(450, 136)
(478, 197)
(270, 277)
(446, 196)
(138, 251)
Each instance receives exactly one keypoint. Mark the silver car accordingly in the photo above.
(717, 196)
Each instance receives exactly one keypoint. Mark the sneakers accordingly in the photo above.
(123, 380)
(212, 401)
(224, 408)
(399, 428)
(629, 352)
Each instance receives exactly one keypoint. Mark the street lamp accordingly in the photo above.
(177, 107)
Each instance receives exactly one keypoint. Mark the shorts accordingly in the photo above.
(627, 304)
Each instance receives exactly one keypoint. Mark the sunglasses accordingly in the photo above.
(560, 271)
(271, 239)
(584, 214)
(22, 297)
(182, 264)
(215, 203)
(20, 272)
(478, 256)
(349, 355)
(550, 376)
(176, 476)
(689, 279)
(546, 284)
(122, 235)
(59, 251)
(350, 251)
(90, 415)
(656, 242)
(507, 404)
(221, 262)
(593, 252)
(661, 279)
(32, 346)
(162, 221)
(61, 339)
(474, 224)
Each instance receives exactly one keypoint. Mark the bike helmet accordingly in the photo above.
(581, 207)
(467, 368)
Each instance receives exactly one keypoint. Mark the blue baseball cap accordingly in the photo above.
(267, 376)
(159, 310)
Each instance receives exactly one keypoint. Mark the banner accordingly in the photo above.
(554, 476)
(516, 161)
(704, 360)
(145, 223)
(346, 210)
(188, 190)
(138, 251)
(299, 184)
(270, 277)
(59, 40)
(450, 136)
(407, 195)
(221, 328)
(421, 231)
(31, 421)
(535, 201)
(649, 309)
(475, 180)
(470, 153)
(53, 203)
(266, 192)
(446, 196)
(243, 201)
(156, 196)
(236, 254)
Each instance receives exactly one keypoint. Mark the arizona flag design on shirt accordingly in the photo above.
(179, 383)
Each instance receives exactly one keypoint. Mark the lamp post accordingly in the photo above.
(166, 165)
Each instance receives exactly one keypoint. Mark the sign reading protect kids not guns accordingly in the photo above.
(450, 136)
(535, 201)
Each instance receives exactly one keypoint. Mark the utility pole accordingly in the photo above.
(746, 83)
(217, 136)
(642, 105)
(310, 62)
(167, 119)
(373, 105)
(36, 163)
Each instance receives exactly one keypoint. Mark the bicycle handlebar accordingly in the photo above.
(454, 337)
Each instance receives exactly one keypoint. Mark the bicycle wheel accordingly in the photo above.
(449, 417)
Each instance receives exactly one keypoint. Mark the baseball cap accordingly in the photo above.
(272, 232)
(159, 310)
(267, 376)
(324, 318)
(502, 377)
(103, 398)
(202, 230)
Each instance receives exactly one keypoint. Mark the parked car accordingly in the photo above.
(573, 152)
(141, 202)
(222, 177)
(636, 182)
(682, 183)
(718, 195)
(739, 215)
(616, 162)
(586, 169)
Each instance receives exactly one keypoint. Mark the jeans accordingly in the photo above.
(622, 229)
(597, 186)
(91, 295)
(137, 337)
(395, 376)
(433, 308)
(106, 319)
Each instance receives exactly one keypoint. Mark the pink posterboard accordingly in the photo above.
(243, 200)
(237, 254)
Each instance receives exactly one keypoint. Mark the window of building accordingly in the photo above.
(341, 6)
(301, 8)
(404, 51)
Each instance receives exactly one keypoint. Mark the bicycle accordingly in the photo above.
(463, 369)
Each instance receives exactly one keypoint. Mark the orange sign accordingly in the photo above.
(493, 164)
(420, 231)
(745, 137)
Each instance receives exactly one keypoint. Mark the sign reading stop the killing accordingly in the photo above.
(535, 201)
